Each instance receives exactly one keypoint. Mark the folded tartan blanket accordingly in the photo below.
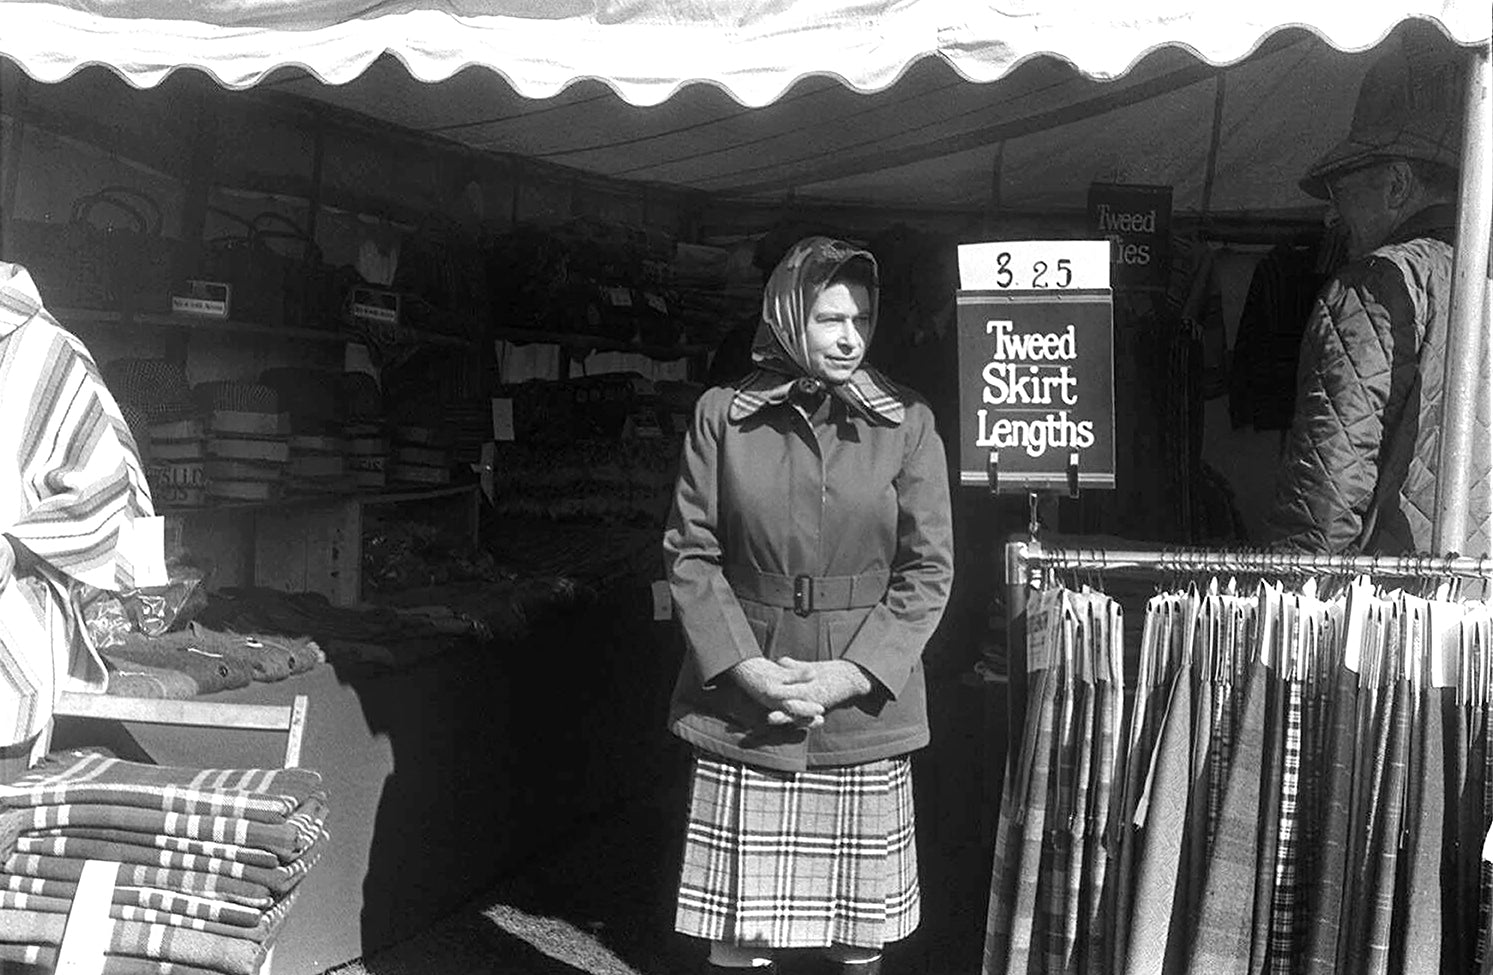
(287, 840)
(262, 795)
(213, 885)
(279, 878)
(186, 905)
(42, 959)
(267, 924)
(231, 956)
(180, 844)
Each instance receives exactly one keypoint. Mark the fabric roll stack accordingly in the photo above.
(177, 471)
(210, 860)
(318, 465)
(421, 455)
(247, 443)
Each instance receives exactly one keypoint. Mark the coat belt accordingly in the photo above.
(805, 594)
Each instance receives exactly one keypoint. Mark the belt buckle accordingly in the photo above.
(803, 595)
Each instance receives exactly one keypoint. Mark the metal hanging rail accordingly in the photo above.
(1024, 556)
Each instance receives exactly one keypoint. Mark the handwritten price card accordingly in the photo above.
(1036, 364)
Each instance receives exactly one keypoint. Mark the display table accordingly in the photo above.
(445, 776)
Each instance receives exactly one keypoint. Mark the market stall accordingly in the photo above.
(445, 226)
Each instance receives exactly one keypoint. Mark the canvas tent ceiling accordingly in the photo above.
(859, 102)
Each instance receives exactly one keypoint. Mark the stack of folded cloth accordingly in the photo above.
(421, 455)
(248, 440)
(210, 859)
(199, 660)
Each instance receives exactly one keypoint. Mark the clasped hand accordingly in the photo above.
(798, 692)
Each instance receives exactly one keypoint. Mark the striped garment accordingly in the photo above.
(1287, 907)
(288, 840)
(151, 898)
(71, 492)
(231, 956)
(261, 795)
(266, 923)
(799, 859)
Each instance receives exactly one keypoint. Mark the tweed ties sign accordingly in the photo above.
(1036, 364)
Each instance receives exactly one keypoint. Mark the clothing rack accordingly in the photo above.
(1024, 558)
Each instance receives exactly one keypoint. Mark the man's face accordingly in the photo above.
(1360, 201)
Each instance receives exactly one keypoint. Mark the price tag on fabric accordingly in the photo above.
(663, 600)
(1446, 644)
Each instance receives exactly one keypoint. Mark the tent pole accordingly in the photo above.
(1467, 340)
(1213, 142)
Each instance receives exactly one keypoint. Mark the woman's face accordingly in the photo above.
(838, 324)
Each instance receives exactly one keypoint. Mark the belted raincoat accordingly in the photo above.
(816, 530)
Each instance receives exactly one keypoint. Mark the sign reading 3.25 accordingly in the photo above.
(1034, 265)
(1036, 364)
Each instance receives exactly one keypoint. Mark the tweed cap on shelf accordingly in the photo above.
(361, 398)
(157, 388)
(239, 397)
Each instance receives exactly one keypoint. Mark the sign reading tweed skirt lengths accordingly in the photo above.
(799, 859)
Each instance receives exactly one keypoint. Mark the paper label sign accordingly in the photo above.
(663, 600)
(1034, 265)
(502, 420)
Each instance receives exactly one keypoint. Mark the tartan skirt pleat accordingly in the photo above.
(799, 859)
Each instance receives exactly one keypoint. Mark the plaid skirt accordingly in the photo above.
(799, 859)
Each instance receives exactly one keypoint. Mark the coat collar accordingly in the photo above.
(868, 392)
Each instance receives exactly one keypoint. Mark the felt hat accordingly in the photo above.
(1409, 107)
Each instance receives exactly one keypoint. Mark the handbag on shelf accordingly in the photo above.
(254, 272)
(80, 264)
(312, 291)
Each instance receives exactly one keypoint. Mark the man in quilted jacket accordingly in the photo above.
(1359, 468)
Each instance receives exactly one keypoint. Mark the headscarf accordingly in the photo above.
(781, 347)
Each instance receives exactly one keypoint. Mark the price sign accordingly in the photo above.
(1036, 364)
(1035, 265)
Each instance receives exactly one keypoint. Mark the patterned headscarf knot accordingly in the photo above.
(780, 348)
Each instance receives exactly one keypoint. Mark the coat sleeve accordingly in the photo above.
(715, 628)
(890, 642)
(82, 486)
(1357, 366)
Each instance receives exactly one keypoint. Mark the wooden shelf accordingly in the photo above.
(92, 316)
(599, 343)
(395, 496)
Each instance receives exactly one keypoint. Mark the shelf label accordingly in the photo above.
(502, 420)
(201, 307)
(663, 600)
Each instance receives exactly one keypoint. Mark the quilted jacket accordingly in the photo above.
(1359, 468)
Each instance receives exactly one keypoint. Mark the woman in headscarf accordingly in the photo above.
(810, 556)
